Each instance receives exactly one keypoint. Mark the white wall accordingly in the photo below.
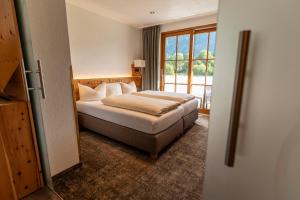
(101, 47)
(199, 21)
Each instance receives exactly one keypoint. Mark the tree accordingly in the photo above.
(199, 66)
(169, 68)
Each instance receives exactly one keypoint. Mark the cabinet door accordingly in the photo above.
(7, 191)
(18, 141)
(44, 33)
(10, 48)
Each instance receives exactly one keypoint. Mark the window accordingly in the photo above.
(187, 63)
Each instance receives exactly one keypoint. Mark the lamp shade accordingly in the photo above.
(139, 63)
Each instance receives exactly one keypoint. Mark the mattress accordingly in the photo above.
(189, 106)
(139, 121)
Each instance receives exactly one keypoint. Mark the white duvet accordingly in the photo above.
(142, 104)
(170, 96)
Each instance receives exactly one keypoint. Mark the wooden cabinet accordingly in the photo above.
(136, 71)
(7, 190)
(137, 74)
(18, 139)
(10, 46)
(20, 172)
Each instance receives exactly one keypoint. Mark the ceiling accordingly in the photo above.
(137, 12)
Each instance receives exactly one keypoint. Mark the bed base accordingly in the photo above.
(152, 143)
(189, 120)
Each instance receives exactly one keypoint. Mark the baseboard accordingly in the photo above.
(74, 167)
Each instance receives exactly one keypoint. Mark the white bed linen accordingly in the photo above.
(171, 96)
(131, 119)
(189, 106)
(142, 104)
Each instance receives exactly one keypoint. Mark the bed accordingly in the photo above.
(143, 131)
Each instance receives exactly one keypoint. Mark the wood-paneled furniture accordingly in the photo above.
(10, 48)
(135, 71)
(7, 190)
(20, 171)
(96, 81)
(17, 135)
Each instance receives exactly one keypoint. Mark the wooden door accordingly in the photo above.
(268, 143)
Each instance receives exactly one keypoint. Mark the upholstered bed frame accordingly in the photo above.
(152, 143)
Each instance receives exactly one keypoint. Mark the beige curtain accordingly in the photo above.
(151, 54)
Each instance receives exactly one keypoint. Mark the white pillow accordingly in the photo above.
(89, 94)
(128, 88)
(113, 89)
(101, 89)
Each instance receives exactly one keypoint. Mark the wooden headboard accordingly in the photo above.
(96, 81)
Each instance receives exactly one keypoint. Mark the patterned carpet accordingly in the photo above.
(112, 170)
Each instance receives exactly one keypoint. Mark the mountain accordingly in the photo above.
(200, 42)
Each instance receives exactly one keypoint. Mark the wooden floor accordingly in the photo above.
(43, 194)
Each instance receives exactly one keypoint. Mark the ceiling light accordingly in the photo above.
(152, 12)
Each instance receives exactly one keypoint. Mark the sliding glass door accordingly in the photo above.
(187, 63)
(177, 63)
(203, 67)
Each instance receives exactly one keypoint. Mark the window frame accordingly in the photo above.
(191, 31)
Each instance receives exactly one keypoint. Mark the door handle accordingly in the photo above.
(241, 64)
(24, 71)
(40, 72)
